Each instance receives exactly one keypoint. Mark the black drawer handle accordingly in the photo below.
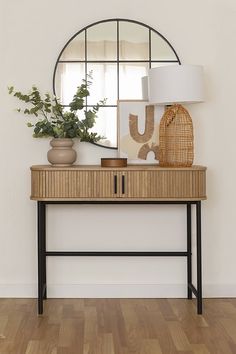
(115, 184)
(123, 184)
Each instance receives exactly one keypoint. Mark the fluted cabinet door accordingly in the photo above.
(135, 184)
(69, 184)
(164, 184)
(104, 184)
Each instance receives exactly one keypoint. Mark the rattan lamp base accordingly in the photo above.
(176, 138)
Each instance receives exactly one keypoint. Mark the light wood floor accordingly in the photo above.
(111, 326)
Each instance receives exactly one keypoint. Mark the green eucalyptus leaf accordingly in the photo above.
(54, 120)
(10, 89)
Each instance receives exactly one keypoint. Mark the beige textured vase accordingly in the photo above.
(61, 154)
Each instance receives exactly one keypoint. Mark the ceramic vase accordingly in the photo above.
(61, 154)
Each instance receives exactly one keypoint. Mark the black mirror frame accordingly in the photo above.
(86, 61)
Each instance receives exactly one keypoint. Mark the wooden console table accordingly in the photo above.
(131, 185)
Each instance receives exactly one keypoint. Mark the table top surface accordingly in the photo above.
(130, 167)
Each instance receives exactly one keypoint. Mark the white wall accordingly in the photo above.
(32, 35)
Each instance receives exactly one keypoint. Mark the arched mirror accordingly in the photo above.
(119, 53)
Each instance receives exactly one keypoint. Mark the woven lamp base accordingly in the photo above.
(176, 138)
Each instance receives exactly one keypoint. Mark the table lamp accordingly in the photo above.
(174, 85)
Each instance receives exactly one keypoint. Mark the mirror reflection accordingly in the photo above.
(119, 53)
(161, 49)
(68, 77)
(104, 83)
(130, 75)
(133, 41)
(75, 50)
(101, 42)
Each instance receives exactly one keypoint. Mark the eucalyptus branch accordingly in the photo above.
(61, 123)
(44, 114)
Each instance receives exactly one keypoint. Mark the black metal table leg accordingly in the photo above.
(199, 257)
(44, 258)
(43, 253)
(189, 250)
(41, 256)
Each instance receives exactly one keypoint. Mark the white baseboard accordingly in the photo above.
(114, 290)
(118, 291)
(18, 290)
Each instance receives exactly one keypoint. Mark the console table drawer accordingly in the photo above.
(131, 183)
(72, 184)
(165, 184)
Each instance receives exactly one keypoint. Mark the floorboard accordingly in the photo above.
(117, 326)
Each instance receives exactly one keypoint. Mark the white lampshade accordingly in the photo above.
(176, 84)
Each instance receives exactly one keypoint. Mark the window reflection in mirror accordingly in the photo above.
(104, 83)
(75, 50)
(107, 126)
(68, 77)
(160, 49)
(101, 41)
(119, 53)
(130, 75)
(133, 41)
